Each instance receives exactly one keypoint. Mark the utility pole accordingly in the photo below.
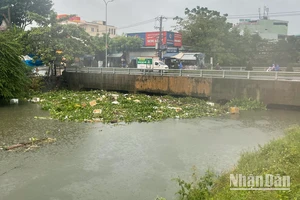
(106, 34)
(160, 38)
(9, 16)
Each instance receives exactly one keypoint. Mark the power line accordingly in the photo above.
(138, 24)
(275, 13)
(271, 15)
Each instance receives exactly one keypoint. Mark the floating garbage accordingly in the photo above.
(14, 101)
(234, 110)
(35, 100)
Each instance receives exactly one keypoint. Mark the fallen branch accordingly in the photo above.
(25, 144)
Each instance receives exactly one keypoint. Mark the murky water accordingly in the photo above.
(136, 161)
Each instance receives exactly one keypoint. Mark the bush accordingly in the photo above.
(13, 77)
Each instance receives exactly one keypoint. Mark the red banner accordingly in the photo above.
(172, 39)
(177, 40)
(151, 39)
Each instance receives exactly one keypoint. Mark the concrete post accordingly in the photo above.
(223, 73)
(248, 77)
(180, 72)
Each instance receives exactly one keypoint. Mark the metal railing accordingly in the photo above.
(253, 75)
(296, 69)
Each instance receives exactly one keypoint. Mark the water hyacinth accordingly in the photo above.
(82, 106)
(113, 107)
(247, 104)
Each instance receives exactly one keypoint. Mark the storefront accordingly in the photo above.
(168, 57)
(189, 60)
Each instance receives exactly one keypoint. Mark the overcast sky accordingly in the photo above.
(122, 13)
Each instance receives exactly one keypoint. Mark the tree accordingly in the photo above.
(209, 32)
(19, 10)
(204, 30)
(286, 51)
(13, 79)
(124, 44)
(53, 41)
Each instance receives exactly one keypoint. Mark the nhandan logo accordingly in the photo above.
(266, 182)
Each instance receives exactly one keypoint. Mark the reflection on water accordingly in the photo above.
(136, 161)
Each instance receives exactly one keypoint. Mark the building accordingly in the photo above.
(171, 42)
(94, 28)
(265, 28)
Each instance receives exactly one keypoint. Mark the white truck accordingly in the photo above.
(150, 63)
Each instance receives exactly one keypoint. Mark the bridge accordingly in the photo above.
(275, 88)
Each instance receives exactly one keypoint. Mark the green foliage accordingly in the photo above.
(20, 9)
(54, 41)
(197, 189)
(36, 85)
(209, 32)
(204, 30)
(13, 79)
(246, 104)
(74, 106)
(123, 43)
(280, 156)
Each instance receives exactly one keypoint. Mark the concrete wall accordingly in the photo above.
(132, 83)
(269, 92)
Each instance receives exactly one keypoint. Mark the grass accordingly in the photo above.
(281, 156)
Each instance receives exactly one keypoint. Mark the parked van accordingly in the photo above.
(151, 63)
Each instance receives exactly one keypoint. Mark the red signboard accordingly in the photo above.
(151, 39)
(177, 40)
(168, 38)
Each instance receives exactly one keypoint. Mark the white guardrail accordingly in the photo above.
(253, 75)
(296, 69)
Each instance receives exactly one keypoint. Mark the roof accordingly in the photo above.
(115, 55)
(178, 56)
(169, 55)
(188, 56)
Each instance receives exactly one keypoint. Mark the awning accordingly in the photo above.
(134, 55)
(169, 55)
(115, 55)
(178, 56)
(188, 56)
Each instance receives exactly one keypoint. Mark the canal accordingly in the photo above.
(128, 161)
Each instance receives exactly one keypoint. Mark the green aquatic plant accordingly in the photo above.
(246, 104)
(116, 107)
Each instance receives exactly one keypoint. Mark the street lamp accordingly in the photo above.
(106, 35)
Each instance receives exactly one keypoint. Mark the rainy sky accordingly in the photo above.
(124, 13)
